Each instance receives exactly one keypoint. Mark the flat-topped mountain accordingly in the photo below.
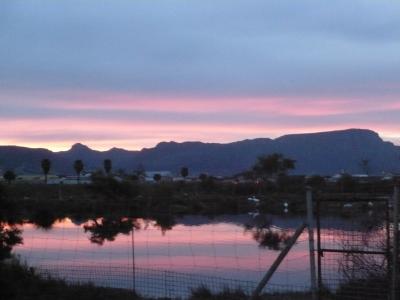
(315, 153)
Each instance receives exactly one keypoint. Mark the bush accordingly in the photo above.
(20, 282)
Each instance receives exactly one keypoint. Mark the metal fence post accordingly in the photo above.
(310, 226)
(133, 257)
(319, 252)
(278, 261)
(395, 242)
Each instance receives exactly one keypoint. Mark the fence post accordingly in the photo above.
(310, 226)
(278, 261)
(133, 257)
(395, 241)
(319, 252)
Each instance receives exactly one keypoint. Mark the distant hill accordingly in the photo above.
(315, 153)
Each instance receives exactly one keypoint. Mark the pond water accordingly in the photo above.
(193, 250)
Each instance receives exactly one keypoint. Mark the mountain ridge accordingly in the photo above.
(316, 153)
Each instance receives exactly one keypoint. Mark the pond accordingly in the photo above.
(223, 251)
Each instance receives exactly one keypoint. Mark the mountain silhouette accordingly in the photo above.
(315, 153)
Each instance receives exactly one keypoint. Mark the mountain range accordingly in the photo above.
(323, 153)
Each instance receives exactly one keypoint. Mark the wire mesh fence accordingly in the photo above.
(353, 258)
(170, 256)
(218, 253)
(162, 283)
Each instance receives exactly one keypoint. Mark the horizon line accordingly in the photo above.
(395, 141)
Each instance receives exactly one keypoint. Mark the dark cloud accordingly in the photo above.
(202, 47)
(70, 50)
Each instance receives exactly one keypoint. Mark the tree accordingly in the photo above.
(9, 176)
(157, 177)
(107, 166)
(9, 237)
(46, 166)
(78, 167)
(185, 172)
(273, 164)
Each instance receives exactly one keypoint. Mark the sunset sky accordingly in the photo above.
(132, 73)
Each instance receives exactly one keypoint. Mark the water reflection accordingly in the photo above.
(44, 218)
(106, 229)
(230, 246)
(267, 235)
(165, 222)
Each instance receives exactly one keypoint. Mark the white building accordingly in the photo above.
(84, 179)
(165, 175)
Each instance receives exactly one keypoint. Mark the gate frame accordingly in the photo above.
(320, 250)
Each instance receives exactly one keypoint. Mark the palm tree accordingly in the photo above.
(185, 172)
(107, 164)
(78, 167)
(9, 176)
(46, 165)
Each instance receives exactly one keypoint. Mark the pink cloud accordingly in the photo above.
(290, 106)
(103, 120)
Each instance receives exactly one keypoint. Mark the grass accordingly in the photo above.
(203, 293)
(19, 282)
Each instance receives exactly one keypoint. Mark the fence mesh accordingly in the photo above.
(162, 283)
(353, 255)
(222, 252)
(171, 256)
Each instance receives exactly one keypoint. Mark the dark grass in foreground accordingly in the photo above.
(18, 282)
(202, 293)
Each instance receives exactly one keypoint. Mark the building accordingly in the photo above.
(165, 176)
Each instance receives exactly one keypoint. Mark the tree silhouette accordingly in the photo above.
(107, 164)
(78, 167)
(273, 164)
(46, 165)
(184, 172)
(9, 176)
(9, 237)
(157, 177)
(106, 229)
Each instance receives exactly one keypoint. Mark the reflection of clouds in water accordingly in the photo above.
(230, 251)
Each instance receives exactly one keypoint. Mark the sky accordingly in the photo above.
(132, 73)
